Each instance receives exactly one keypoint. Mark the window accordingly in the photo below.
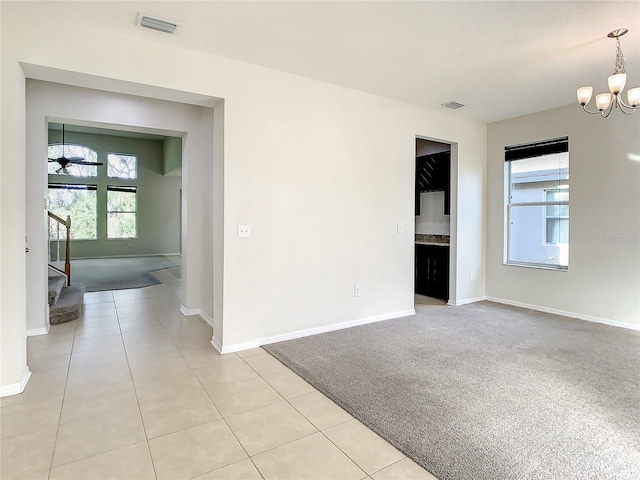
(538, 204)
(557, 216)
(73, 151)
(121, 212)
(122, 166)
(78, 202)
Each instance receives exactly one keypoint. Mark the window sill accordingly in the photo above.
(540, 266)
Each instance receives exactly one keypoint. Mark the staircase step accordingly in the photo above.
(56, 284)
(69, 305)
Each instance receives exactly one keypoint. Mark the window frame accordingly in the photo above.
(547, 217)
(83, 147)
(523, 152)
(75, 186)
(122, 188)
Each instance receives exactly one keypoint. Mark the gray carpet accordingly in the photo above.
(118, 273)
(487, 391)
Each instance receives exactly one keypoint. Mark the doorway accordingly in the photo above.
(432, 251)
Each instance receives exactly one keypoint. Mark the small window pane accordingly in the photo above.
(121, 212)
(121, 166)
(80, 205)
(72, 151)
(527, 227)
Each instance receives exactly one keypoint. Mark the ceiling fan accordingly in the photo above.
(64, 161)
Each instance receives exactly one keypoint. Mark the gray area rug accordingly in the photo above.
(487, 391)
(118, 273)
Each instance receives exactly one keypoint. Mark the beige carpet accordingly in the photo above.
(487, 391)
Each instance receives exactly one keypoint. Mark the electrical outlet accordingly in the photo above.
(356, 291)
(400, 228)
(472, 276)
(244, 231)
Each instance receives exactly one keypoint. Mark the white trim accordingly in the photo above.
(307, 332)
(466, 301)
(34, 332)
(564, 313)
(216, 344)
(16, 388)
(188, 312)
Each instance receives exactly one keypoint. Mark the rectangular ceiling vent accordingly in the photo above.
(453, 105)
(156, 24)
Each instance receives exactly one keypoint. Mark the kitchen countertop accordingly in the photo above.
(432, 239)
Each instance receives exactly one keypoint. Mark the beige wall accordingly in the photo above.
(603, 280)
(323, 174)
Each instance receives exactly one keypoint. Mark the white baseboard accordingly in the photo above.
(16, 388)
(216, 344)
(307, 332)
(466, 301)
(564, 313)
(34, 332)
(188, 312)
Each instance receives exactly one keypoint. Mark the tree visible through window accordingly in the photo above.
(78, 202)
(73, 151)
(538, 204)
(121, 212)
(121, 166)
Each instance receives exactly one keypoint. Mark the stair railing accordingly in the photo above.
(67, 261)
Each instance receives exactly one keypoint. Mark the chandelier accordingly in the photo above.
(606, 102)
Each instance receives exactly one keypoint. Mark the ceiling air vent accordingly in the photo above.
(453, 105)
(155, 24)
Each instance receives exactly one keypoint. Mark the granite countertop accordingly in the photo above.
(428, 239)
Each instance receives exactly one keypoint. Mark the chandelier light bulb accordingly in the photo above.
(633, 97)
(607, 102)
(617, 82)
(584, 95)
(603, 100)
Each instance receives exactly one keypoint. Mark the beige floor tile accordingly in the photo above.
(224, 372)
(195, 451)
(92, 344)
(30, 416)
(178, 412)
(238, 397)
(127, 463)
(94, 435)
(287, 383)
(137, 337)
(268, 427)
(135, 311)
(110, 313)
(242, 470)
(28, 455)
(201, 355)
(128, 293)
(155, 291)
(63, 327)
(405, 469)
(112, 357)
(98, 297)
(166, 354)
(87, 402)
(147, 325)
(98, 321)
(99, 308)
(265, 363)
(97, 331)
(251, 352)
(189, 326)
(319, 410)
(366, 448)
(40, 386)
(151, 391)
(58, 363)
(131, 302)
(163, 370)
(312, 457)
(49, 345)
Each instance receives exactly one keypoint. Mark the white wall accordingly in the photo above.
(603, 280)
(432, 218)
(323, 174)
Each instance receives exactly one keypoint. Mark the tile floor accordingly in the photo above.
(134, 390)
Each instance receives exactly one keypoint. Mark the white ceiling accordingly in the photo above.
(500, 58)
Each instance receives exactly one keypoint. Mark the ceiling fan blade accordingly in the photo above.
(53, 159)
(82, 162)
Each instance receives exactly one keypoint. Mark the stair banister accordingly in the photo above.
(67, 260)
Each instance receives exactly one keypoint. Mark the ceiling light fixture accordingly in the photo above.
(606, 102)
(155, 24)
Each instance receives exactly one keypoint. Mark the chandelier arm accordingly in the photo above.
(630, 107)
(609, 109)
(584, 107)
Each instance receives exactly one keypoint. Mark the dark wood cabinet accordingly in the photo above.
(432, 271)
(433, 174)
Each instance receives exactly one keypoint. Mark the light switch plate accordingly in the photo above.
(244, 231)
